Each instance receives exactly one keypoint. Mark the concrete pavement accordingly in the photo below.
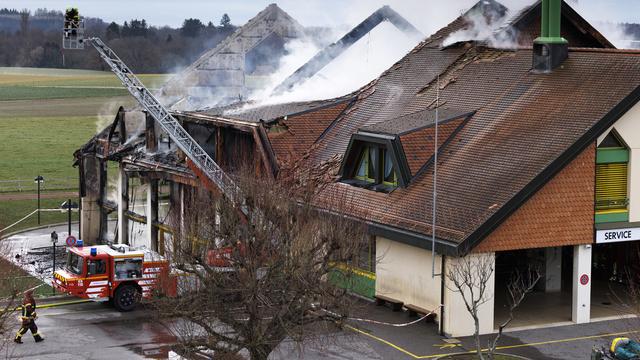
(93, 331)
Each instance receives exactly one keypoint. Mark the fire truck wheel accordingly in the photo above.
(126, 298)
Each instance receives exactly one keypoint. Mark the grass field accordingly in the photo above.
(13, 210)
(42, 145)
(45, 115)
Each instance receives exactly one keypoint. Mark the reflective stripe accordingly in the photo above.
(98, 283)
(615, 342)
(93, 290)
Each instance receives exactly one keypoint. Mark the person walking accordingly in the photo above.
(28, 318)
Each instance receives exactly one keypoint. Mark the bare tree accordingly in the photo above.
(470, 277)
(520, 284)
(253, 280)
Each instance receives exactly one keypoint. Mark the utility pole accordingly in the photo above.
(39, 180)
(54, 240)
(69, 215)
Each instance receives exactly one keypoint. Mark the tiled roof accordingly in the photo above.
(419, 145)
(292, 137)
(523, 123)
(413, 122)
(560, 214)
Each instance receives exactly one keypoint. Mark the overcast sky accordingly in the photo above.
(307, 12)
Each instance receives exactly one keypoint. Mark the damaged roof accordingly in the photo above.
(524, 128)
(521, 27)
(248, 111)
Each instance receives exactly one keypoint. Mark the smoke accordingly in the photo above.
(355, 67)
(606, 18)
(376, 51)
(617, 34)
(105, 114)
(488, 22)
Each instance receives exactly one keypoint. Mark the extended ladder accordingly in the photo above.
(170, 124)
(73, 38)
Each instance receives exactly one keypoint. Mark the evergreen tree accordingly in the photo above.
(113, 31)
(191, 28)
(225, 22)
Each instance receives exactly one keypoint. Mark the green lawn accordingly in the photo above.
(14, 210)
(42, 145)
(52, 92)
(45, 115)
(41, 84)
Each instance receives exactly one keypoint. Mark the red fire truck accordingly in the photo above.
(116, 273)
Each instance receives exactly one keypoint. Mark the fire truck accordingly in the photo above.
(116, 273)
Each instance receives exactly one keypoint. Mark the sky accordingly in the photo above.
(307, 12)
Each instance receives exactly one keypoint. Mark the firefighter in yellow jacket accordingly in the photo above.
(28, 318)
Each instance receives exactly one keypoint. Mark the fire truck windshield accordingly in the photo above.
(74, 263)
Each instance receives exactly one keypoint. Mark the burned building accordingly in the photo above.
(229, 72)
(534, 164)
(253, 49)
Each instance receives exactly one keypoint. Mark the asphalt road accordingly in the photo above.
(93, 331)
(97, 331)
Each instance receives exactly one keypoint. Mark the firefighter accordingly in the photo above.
(28, 318)
(72, 17)
(623, 348)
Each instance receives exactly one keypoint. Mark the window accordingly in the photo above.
(96, 267)
(75, 263)
(128, 269)
(375, 166)
(390, 177)
(612, 197)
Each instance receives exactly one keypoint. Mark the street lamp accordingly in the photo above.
(68, 205)
(54, 240)
(38, 180)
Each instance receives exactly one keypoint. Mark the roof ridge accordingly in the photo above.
(605, 50)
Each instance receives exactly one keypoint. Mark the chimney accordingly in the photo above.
(550, 50)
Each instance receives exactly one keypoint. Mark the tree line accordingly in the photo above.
(35, 40)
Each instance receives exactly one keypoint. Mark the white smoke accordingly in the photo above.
(355, 67)
(375, 52)
(617, 34)
(382, 47)
(484, 29)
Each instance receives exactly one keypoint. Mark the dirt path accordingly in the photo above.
(30, 196)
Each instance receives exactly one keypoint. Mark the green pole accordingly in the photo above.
(555, 12)
(545, 19)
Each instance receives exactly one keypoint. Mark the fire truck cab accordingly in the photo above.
(116, 273)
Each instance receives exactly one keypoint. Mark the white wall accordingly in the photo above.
(457, 320)
(403, 272)
(628, 127)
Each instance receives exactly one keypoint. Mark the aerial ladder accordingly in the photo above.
(73, 38)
